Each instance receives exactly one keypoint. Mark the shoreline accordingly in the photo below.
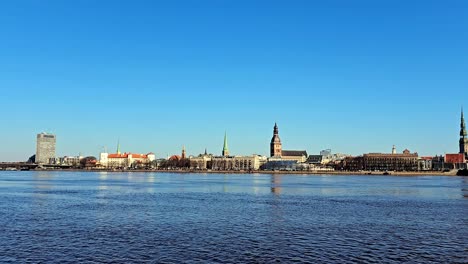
(311, 173)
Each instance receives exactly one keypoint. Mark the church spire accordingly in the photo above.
(275, 144)
(183, 153)
(462, 125)
(118, 146)
(225, 146)
(463, 136)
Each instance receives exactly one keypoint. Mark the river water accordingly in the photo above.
(100, 217)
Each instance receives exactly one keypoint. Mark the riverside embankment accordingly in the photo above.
(284, 172)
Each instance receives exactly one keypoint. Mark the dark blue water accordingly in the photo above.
(60, 217)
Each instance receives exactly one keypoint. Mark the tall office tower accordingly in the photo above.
(45, 148)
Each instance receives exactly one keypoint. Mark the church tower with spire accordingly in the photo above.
(463, 137)
(118, 146)
(225, 152)
(184, 155)
(275, 145)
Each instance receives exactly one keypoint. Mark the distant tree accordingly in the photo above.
(89, 161)
(32, 159)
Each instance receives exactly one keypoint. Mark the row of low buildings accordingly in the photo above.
(408, 161)
(279, 159)
(402, 162)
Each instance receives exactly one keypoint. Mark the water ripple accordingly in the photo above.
(74, 221)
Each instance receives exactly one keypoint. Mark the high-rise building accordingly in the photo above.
(463, 137)
(45, 148)
(275, 144)
(225, 152)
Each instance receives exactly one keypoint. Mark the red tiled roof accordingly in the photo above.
(139, 156)
(126, 155)
(117, 156)
(174, 157)
(455, 158)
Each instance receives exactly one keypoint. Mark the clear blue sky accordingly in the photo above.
(353, 76)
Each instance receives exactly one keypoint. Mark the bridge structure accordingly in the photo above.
(30, 166)
(17, 165)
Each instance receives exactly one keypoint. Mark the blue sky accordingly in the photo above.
(353, 76)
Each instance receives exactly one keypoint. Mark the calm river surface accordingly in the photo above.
(60, 217)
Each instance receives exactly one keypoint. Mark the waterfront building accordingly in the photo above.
(73, 161)
(246, 163)
(201, 162)
(222, 163)
(315, 159)
(45, 148)
(425, 163)
(455, 161)
(438, 163)
(125, 160)
(351, 164)
(405, 161)
(463, 142)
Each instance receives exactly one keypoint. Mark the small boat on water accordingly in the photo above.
(11, 169)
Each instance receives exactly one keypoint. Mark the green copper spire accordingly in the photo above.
(225, 146)
(118, 146)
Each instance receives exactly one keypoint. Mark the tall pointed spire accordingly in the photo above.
(275, 144)
(463, 143)
(462, 125)
(118, 146)
(225, 145)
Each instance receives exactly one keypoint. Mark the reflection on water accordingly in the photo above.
(276, 184)
(465, 187)
(156, 217)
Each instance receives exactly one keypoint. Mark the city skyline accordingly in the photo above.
(226, 152)
(352, 78)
